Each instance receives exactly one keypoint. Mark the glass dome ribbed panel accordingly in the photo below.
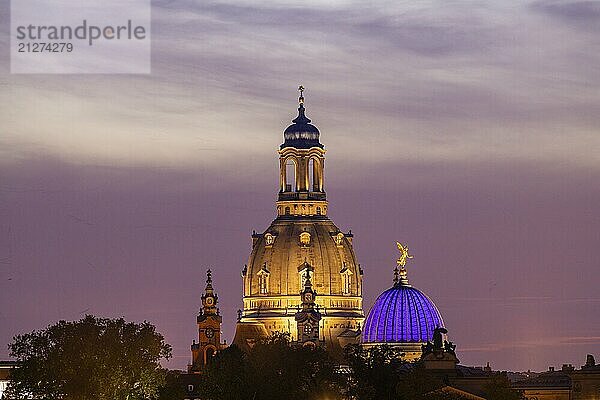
(402, 314)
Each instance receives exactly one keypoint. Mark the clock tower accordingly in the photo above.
(308, 317)
(209, 329)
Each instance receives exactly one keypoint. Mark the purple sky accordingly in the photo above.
(469, 130)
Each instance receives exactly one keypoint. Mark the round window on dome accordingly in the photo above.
(269, 239)
(305, 238)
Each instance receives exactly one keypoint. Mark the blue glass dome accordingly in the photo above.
(402, 314)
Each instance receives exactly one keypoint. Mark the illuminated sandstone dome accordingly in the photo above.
(402, 316)
(302, 240)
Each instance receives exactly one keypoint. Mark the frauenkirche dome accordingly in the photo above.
(302, 242)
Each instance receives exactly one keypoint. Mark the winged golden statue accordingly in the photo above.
(404, 255)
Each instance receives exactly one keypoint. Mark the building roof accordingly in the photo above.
(5, 368)
(553, 379)
(286, 257)
(465, 371)
(301, 134)
(450, 390)
(402, 314)
(8, 363)
(247, 333)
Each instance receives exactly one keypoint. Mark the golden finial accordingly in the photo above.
(400, 276)
(301, 98)
(403, 254)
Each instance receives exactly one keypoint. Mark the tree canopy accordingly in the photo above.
(93, 358)
(375, 371)
(499, 388)
(276, 369)
(101, 359)
(273, 369)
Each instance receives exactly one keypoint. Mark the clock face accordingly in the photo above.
(209, 301)
(308, 329)
(209, 333)
(308, 297)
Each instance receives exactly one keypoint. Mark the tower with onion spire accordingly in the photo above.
(301, 244)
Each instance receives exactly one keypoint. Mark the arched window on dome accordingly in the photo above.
(290, 175)
(304, 270)
(303, 278)
(263, 280)
(314, 175)
(311, 175)
(346, 274)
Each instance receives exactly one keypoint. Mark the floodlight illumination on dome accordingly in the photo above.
(302, 240)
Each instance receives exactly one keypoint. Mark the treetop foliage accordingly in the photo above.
(93, 358)
(111, 359)
(274, 369)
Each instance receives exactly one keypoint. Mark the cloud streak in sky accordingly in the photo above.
(467, 78)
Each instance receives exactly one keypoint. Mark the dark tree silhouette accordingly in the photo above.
(375, 371)
(379, 372)
(273, 369)
(93, 358)
(172, 388)
(499, 388)
(420, 384)
(227, 377)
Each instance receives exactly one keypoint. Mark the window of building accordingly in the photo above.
(210, 353)
(269, 239)
(312, 186)
(347, 282)
(346, 279)
(302, 275)
(305, 238)
(263, 280)
(290, 175)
